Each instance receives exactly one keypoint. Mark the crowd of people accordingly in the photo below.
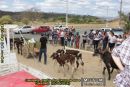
(67, 37)
(118, 46)
(72, 38)
(94, 38)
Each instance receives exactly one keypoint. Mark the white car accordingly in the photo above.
(106, 29)
(117, 31)
(59, 27)
(23, 29)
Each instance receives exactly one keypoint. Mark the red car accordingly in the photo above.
(41, 29)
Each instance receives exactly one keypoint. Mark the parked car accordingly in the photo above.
(41, 29)
(117, 31)
(106, 29)
(23, 29)
(59, 27)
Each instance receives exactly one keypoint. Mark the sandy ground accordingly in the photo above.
(93, 67)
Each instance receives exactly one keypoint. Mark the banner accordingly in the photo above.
(2, 44)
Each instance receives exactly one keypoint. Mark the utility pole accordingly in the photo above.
(120, 24)
(67, 7)
(107, 16)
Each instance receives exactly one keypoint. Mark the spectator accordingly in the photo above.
(55, 37)
(69, 38)
(62, 37)
(91, 36)
(43, 48)
(65, 38)
(77, 40)
(105, 40)
(59, 34)
(72, 40)
(112, 40)
(96, 40)
(84, 36)
(50, 37)
(19, 44)
(121, 56)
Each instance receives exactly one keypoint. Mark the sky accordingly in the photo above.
(101, 8)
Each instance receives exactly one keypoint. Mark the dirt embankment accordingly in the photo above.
(112, 24)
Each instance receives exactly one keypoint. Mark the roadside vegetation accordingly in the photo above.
(126, 21)
(34, 15)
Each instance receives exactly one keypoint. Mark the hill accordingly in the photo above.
(51, 17)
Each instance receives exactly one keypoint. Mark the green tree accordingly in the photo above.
(6, 20)
(61, 18)
(126, 22)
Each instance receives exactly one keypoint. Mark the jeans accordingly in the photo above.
(104, 45)
(95, 43)
(84, 42)
(65, 43)
(45, 55)
(69, 43)
(55, 40)
(19, 48)
(62, 41)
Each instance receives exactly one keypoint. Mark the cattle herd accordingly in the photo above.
(73, 59)
(70, 58)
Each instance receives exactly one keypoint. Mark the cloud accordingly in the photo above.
(20, 5)
(3, 6)
(87, 7)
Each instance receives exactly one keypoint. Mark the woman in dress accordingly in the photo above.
(121, 56)
(77, 41)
